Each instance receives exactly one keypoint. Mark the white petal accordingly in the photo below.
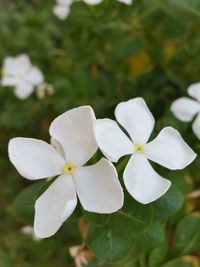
(35, 76)
(185, 108)
(92, 2)
(61, 12)
(54, 206)
(9, 81)
(170, 150)
(57, 146)
(23, 90)
(23, 64)
(136, 118)
(196, 126)
(142, 182)
(194, 91)
(111, 140)
(9, 66)
(98, 187)
(34, 159)
(127, 2)
(74, 131)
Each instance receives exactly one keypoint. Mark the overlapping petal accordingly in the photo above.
(34, 159)
(54, 206)
(98, 187)
(142, 182)
(136, 118)
(185, 108)
(196, 126)
(111, 140)
(74, 131)
(57, 147)
(170, 150)
(194, 91)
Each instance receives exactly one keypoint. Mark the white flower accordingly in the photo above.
(168, 149)
(20, 73)
(28, 230)
(62, 8)
(80, 255)
(185, 108)
(97, 185)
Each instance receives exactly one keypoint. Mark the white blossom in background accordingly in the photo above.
(29, 231)
(167, 149)
(80, 255)
(62, 7)
(97, 186)
(43, 90)
(185, 108)
(21, 74)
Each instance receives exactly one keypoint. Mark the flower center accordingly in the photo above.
(20, 77)
(139, 148)
(69, 168)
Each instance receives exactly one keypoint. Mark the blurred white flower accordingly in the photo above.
(62, 8)
(97, 186)
(44, 89)
(20, 73)
(185, 108)
(28, 230)
(80, 255)
(96, 2)
(167, 149)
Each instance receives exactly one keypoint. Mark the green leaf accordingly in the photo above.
(158, 255)
(183, 182)
(109, 246)
(132, 219)
(187, 235)
(95, 218)
(186, 261)
(23, 207)
(114, 241)
(152, 237)
(188, 8)
(168, 204)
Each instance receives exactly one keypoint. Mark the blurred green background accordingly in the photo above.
(102, 55)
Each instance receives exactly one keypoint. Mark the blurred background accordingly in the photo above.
(99, 55)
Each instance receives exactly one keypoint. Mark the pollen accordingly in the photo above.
(69, 168)
(139, 148)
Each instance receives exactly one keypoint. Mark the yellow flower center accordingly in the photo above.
(69, 168)
(139, 148)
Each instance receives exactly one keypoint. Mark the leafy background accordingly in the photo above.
(102, 55)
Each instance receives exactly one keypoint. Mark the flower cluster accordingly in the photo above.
(21, 74)
(76, 136)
